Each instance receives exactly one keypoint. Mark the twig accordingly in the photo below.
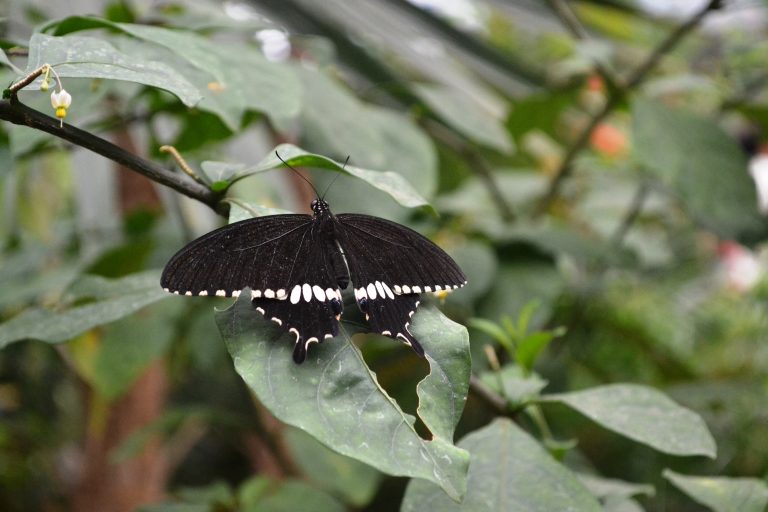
(477, 163)
(614, 98)
(15, 112)
(569, 19)
(632, 214)
(16, 87)
(487, 395)
(518, 70)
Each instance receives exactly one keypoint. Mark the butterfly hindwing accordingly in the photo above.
(392, 317)
(389, 266)
(308, 322)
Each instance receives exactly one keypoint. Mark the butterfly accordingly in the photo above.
(297, 265)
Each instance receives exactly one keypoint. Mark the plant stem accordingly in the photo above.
(13, 111)
(487, 395)
(632, 214)
(571, 22)
(634, 79)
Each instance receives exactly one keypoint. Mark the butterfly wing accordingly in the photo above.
(256, 253)
(389, 266)
(287, 261)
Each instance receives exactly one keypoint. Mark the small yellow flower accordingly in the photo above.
(61, 101)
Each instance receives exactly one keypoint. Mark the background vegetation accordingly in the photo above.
(590, 165)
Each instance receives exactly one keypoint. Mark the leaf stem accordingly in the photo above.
(534, 412)
(182, 163)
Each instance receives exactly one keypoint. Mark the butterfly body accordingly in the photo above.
(296, 266)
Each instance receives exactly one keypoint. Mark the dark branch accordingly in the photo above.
(477, 163)
(571, 22)
(517, 70)
(488, 396)
(632, 214)
(632, 82)
(13, 111)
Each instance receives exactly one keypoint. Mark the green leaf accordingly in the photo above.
(87, 57)
(529, 348)
(230, 82)
(354, 481)
(176, 507)
(613, 489)
(337, 123)
(700, 163)
(518, 283)
(517, 385)
(387, 181)
(116, 299)
(293, 495)
(643, 415)
(335, 397)
(509, 472)
(723, 494)
(241, 80)
(242, 210)
(221, 171)
(216, 494)
(26, 287)
(479, 263)
(129, 345)
(467, 116)
(4, 60)
(492, 329)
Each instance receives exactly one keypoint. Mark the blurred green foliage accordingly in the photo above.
(617, 330)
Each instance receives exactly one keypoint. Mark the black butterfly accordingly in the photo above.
(297, 265)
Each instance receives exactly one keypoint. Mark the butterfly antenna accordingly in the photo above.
(317, 194)
(334, 179)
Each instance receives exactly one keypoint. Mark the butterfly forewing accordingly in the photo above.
(380, 250)
(291, 265)
(255, 253)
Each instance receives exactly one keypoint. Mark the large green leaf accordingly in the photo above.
(336, 123)
(700, 163)
(294, 495)
(354, 481)
(129, 345)
(723, 494)
(644, 415)
(335, 397)
(231, 82)
(115, 299)
(387, 181)
(4, 60)
(245, 79)
(467, 116)
(87, 57)
(517, 386)
(509, 472)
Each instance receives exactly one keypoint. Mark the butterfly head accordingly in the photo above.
(319, 207)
